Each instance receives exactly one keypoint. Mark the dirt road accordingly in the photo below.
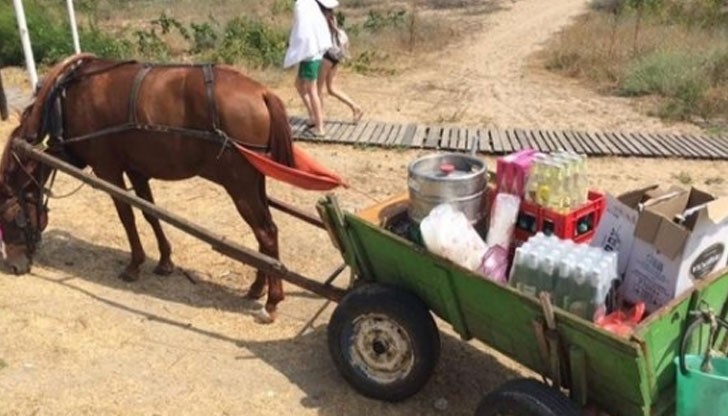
(76, 340)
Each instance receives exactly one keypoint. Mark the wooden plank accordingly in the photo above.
(569, 141)
(420, 135)
(634, 146)
(625, 147)
(617, 148)
(666, 151)
(606, 149)
(515, 143)
(432, 140)
(332, 129)
(391, 139)
(712, 144)
(496, 140)
(409, 135)
(703, 150)
(485, 142)
(366, 133)
(358, 130)
(653, 149)
(463, 139)
(685, 148)
(546, 140)
(445, 138)
(590, 148)
(393, 133)
(374, 134)
(679, 149)
(381, 138)
(721, 140)
(543, 146)
(556, 141)
(525, 140)
(342, 134)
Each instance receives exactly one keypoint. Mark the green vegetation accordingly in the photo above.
(242, 32)
(673, 50)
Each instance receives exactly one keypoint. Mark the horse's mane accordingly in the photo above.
(35, 119)
(32, 116)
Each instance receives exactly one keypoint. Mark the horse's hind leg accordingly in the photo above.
(126, 215)
(256, 213)
(142, 189)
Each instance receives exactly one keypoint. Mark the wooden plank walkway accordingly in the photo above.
(493, 141)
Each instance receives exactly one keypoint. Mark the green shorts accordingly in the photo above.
(309, 70)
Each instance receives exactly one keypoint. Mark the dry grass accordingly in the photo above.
(617, 55)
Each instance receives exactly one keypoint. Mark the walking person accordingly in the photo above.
(309, 40)
(330, 64)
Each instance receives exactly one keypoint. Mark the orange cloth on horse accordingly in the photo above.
(306, 173)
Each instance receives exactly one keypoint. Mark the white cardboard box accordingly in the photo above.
(615, 231)
(667, 258)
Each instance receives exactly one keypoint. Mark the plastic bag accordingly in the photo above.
(448, 233)
(503, 220)
(494, 265)
(620, 322)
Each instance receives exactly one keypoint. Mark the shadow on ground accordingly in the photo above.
(462, 376)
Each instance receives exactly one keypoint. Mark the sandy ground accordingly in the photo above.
(76, 340)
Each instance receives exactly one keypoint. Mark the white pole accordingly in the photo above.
(25, 39)
(74, 29)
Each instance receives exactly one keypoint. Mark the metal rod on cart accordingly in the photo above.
(219, 243)
(295, 212)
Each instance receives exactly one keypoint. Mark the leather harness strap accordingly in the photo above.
(210, 90)
(134, 96)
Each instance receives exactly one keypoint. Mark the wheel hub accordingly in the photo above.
(381, 348)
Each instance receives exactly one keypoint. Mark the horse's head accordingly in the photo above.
(23, 213)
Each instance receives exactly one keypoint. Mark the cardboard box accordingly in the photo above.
(669, 256)
(615, 231)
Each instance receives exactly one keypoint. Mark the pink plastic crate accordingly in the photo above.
(512, 171)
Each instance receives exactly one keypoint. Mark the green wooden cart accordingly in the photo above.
(385, 343)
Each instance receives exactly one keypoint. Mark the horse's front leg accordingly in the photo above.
(142, 189)
(126, 215)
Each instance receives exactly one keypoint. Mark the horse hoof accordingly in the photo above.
(129, 276)
(262, 316)
(164, 269)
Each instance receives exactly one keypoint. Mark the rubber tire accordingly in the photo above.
(526, 397)
(405, 309)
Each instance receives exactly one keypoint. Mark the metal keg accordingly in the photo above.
(454, 178)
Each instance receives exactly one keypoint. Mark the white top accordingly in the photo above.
(310, 37)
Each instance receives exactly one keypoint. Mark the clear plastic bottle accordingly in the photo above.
(535, 177)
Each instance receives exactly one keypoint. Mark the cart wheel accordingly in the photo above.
(526, 397)
(384, 342)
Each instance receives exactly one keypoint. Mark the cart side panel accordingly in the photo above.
(660, 336)
(503, 318)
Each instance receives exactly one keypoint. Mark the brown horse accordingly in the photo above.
(168, 122)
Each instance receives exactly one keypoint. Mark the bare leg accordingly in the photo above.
(305, 97)
(126, 215)
(335, 92)
(142, 189)
(318, 118)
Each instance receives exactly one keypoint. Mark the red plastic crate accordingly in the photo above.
(532, 218)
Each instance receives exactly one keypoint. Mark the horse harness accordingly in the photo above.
(53, 108)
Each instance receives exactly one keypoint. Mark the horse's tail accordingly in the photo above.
(280, 141)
